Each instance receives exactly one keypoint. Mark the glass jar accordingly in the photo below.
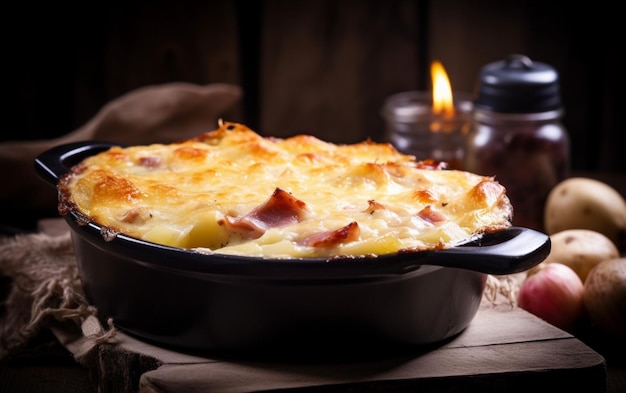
(413, 128)
(517, 135)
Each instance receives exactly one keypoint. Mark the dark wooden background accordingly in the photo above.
(322, 67)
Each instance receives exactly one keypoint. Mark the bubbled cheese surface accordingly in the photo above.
(234, 191)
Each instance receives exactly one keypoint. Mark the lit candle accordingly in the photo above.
(443, 102)
(430, 125)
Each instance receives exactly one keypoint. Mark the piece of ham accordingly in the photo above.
(348, 233)
(279, 210)
(431, 215)
(282, 209)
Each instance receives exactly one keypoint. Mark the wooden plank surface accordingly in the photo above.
(327, 67)
(502, 349)
(318, 66)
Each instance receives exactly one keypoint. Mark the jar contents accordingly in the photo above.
(517, 135)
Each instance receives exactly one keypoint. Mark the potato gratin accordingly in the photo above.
(233, 191)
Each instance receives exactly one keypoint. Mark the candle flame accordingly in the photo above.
(443, 103)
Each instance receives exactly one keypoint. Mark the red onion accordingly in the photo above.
(554, 294)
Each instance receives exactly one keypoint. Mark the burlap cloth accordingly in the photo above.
(45, 293)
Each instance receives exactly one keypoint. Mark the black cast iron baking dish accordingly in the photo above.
(236, 305)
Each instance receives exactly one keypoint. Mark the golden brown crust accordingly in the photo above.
(233, 191)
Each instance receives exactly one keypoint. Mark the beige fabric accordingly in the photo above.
(160, 113)
(45, 287)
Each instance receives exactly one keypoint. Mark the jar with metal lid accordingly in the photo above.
(517, 136)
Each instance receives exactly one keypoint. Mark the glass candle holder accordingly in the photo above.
(413, 128)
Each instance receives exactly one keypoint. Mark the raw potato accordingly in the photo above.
(584, 203)
(581, 249)
(604, 296)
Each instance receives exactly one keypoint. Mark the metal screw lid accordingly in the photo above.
(518, 85)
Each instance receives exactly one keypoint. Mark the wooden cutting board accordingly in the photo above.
(504, 349)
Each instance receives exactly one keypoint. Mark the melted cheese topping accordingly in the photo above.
(233, 191)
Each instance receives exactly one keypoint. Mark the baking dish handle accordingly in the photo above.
(512, 250)
(57, 161)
